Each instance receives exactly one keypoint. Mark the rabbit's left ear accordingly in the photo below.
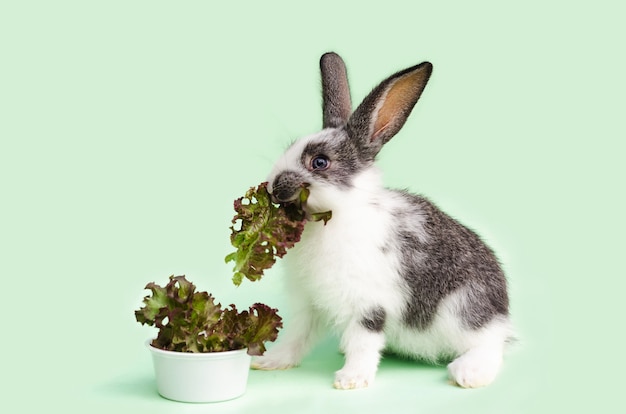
(385, 110)
(337, 105)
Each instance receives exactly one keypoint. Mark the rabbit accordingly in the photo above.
(389, 271)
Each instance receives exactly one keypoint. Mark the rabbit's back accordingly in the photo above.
(451, 257)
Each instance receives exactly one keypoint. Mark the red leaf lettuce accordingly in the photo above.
(190, 321)
(265, 231)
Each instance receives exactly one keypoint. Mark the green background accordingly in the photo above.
(128, 127)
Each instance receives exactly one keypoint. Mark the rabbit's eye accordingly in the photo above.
(320, 162)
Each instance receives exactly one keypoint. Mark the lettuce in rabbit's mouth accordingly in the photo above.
(262, 230)
(296, 207)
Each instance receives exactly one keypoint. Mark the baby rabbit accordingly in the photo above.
(389, 271)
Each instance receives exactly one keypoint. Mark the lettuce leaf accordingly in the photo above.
(262, 231)
(190, 321)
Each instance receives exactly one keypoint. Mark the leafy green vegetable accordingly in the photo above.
(190, 321)
(266, 231)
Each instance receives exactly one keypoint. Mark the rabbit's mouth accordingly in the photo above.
(297, 206)
(284, 201)
(291, 191)
(295, 198)
(287, 188)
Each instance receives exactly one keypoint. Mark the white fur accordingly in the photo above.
(338, 272)
(479, 353)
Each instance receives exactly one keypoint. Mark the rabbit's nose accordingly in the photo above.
(286, 187)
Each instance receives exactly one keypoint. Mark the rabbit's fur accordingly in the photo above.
(389, 270)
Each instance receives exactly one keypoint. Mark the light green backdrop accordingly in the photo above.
(128, 127)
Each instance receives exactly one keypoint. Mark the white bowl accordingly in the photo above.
(200, 377)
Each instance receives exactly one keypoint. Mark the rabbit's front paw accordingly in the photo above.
(347, 379)
(273, 361)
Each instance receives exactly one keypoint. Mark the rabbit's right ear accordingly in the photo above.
(337, 105)
(384, 111)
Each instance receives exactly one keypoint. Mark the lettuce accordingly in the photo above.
(190, 321)
(262, 231)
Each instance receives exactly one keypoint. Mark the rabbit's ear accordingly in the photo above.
(337, 106)
(384, 111)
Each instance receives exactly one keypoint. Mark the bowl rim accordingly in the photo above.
(194, 355)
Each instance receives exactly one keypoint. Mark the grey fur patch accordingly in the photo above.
(451, 257)
(385, 248)
(374, 320)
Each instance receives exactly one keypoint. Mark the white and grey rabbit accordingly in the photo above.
(389, 271)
